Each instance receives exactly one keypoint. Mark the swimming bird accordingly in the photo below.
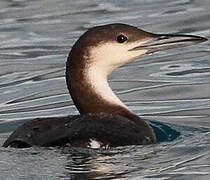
(104, 120)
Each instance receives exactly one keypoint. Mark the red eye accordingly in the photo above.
(121, 38)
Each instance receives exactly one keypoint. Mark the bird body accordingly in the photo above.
(104, 120)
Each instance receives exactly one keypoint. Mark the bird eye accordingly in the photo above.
(121, 38)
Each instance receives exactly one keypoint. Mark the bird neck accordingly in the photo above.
(90, 90)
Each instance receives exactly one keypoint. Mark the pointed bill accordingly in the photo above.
(159, 42)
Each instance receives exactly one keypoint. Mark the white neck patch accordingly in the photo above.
(98, 81)
(104, 58)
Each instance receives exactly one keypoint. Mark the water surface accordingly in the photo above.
(170, 87)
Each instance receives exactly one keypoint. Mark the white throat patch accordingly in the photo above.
(104, 58)
(98, 81)
(109, 56)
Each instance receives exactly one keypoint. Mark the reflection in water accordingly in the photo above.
(152, 161)
(104, 164)
(170, 87)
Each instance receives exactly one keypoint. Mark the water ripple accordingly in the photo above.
(170, 87)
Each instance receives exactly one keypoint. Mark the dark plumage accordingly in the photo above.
(78, 130)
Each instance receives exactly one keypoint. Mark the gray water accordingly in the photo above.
(170, 87)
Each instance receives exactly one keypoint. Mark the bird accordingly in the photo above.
(104, 120)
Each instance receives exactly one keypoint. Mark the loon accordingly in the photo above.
(104, 121)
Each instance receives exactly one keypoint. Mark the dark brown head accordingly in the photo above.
(110, 46)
